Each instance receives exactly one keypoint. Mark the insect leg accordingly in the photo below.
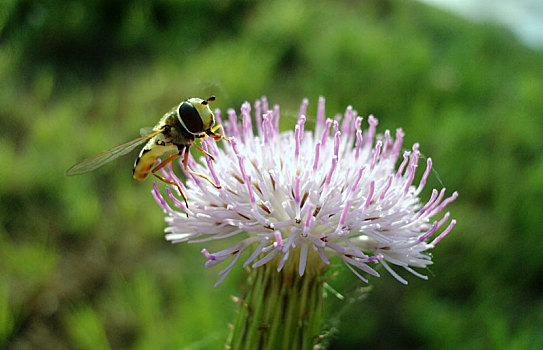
(162, 178)
(215, 136)
(204, 151)
(185, 159)
(165, 162)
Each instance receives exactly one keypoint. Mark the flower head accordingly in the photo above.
(332, 192)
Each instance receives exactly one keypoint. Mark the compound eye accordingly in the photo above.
(190, 118)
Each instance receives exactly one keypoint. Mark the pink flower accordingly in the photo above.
(335, 191)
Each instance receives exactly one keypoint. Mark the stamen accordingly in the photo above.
(159, 199)
(317, 153)
(343, 216)
(358, 144)
(241, 159)
(249, 184)
(370, 194)
(297, 198)
(303, 108)
(246, 115)
(176, 201)
(297, 141)
(357, 180)
(412, 169)
(429, 203)
(358, 123)
(217, 114)
(437, 201)
(336, 127)
(376, 153)
(336, 143)
(308, 219)
(278, 240)
(387, 143)
(372, 122)
(398, 142)
(445, 218)
(430, 232)
(347, 121)
(233, 123)
(275, 120)
(404, 163)
(389, 182)
(446, 202)
(332, 169)
(208, 255)
(265, 106)
(320, 114)
(301, 122)
(297, 191)
(267, 126)
(258, 117)
(303, 257)
(444, 233)
(211, 166)
(424, 178)
(326, 132)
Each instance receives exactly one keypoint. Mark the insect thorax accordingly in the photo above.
(175, 133)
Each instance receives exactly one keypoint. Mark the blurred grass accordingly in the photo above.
(83, 261)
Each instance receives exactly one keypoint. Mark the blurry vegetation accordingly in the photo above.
(83, 261)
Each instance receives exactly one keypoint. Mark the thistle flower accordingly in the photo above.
(332, 192)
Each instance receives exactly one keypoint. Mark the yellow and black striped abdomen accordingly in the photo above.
(148, 156)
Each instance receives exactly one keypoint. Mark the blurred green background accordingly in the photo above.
(83, 262)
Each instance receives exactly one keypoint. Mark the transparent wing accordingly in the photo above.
(100, 159)
(146, 131)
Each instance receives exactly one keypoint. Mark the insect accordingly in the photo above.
(173, 134)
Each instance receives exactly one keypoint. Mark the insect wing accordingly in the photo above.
(100, 159)
(146, 131)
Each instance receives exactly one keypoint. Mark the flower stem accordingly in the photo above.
(281, 311)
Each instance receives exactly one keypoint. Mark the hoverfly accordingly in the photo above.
(173, 134)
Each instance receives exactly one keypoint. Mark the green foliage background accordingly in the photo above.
(83, 262)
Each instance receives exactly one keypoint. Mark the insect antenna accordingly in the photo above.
(209, 99)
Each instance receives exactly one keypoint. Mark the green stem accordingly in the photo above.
(282, 310)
